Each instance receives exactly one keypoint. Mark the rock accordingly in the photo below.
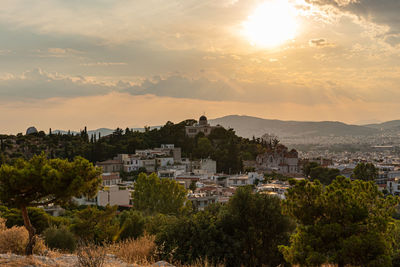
(162, 264)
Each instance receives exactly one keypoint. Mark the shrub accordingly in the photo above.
(132, 224)
(60, 238)
(139, 251)
(15, 239)
(91, 255)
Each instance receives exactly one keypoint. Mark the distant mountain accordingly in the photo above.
(389, 125)
(247, 126)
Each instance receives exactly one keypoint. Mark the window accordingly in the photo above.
(243, 181)
(192, 131)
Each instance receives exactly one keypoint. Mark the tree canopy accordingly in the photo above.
(245, 232)
(41, 181)
(345, 223)
(323, 174)
(154, 195)
(365, 171)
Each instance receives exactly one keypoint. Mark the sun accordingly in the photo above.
(271, 24)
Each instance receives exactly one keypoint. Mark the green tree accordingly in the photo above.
(365, 172)
(257, 226)
(308, 167)
(60, 238)
(193, 186)
(345, 223)
(154, 195)
(245, 232)
(324, 175)
(204, 147)
(41, 181)
(38, 217)
(132, 224)
(93, 224)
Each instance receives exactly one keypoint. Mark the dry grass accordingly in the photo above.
(90, 255)
(15, 239)
(138, 251)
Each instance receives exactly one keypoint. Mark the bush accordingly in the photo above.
(132, 224)
(91, 255)
(15, 239)
(139, 251)
(95, 225)
(60, 238)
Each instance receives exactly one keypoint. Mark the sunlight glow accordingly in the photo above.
(271, 24)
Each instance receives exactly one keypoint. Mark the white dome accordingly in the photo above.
(31, 130)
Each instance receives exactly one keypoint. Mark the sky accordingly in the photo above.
(66, 64)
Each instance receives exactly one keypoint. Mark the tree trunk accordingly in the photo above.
(31, 231)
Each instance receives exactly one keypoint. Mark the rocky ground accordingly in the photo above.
(62, 260)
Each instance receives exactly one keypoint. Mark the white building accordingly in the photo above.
(202, 127)
(204, 166)
(114, 195)
(393, 186)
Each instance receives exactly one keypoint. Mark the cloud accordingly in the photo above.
(380, 17)
(228, 89)
(41, 84)
(320, 43)
(104, 64)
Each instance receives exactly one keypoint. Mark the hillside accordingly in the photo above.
(247, 126)
(386, 126)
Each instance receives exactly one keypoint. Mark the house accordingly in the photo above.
(114, 195)
(393, 186)
(280, 160)
(238, 180)
(112, 165)
(204, 166)
(111, 178)
(202, 127)
(202, 200)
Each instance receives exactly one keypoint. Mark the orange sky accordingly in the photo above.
(67, 64)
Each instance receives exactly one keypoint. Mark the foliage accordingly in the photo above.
(275, 176)
(39, 218)
(154, 195)
(365, 172)
(60, 238)
(344, 223)
(308, 167)
(132, 224)
(98, 226)
(257, 227)
(41, 181)
(193, 186)
(324, 175)
(245, 232)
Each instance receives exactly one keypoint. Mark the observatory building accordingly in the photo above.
(203, 126)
